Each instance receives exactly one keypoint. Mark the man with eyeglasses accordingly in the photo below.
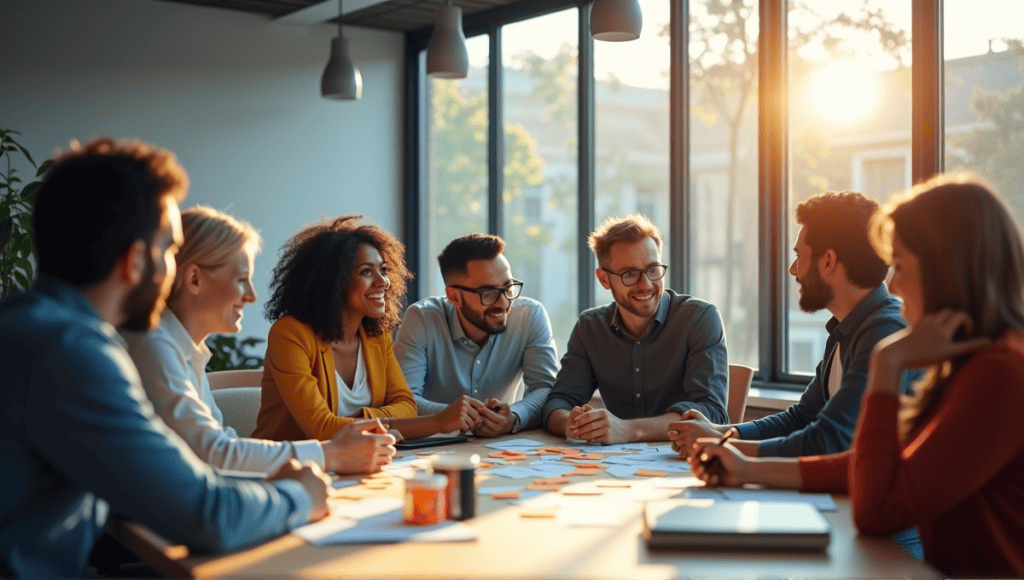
(481, 350)
(653, 354)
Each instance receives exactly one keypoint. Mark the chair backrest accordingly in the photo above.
(229, 379)
(739, 387)
(238, 394)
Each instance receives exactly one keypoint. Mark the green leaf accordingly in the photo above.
(22, 280)
(6, 227)
(27, 156)
(45, 166)
(29, 193)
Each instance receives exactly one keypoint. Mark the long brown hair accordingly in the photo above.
(972, 260)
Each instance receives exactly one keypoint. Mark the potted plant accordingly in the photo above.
(16, 248)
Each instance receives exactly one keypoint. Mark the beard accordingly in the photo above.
(816, 293)
(480, 320)
(647, 310)
(146, 302)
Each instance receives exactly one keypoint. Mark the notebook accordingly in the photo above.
(708, 523)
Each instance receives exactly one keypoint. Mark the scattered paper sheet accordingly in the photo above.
(378, 520)
(515, 444)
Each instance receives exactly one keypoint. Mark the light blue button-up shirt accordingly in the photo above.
(441, 363)
(79, 439)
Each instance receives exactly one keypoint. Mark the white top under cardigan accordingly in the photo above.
(351, 400)
(173, 371)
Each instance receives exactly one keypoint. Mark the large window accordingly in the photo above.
(849, 128)
(984, 74)
(456, 155)
(716, 127)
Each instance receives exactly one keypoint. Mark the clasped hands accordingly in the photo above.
(488, 418)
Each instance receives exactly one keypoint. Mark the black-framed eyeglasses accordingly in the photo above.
(489, 296)
(631, 277)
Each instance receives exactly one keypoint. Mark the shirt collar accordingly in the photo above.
(181, 336)
(859, 314)
(455, 325)
(660, 316)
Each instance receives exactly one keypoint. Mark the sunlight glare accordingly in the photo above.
(844, 91)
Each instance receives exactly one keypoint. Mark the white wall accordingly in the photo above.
(235, 95)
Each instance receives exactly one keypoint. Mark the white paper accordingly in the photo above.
(377, 521)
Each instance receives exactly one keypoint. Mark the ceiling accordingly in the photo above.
(403, 15)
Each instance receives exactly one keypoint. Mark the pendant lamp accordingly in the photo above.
(616, 20)
(341, 79)
(447, 57)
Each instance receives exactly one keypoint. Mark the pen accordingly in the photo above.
(708, 463)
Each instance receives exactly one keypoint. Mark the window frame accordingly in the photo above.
(927, 154)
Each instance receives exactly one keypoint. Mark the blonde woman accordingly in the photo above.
(950, 461)
(212, 287)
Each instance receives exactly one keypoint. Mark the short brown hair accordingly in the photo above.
(630, 229)
(455, 257)
(96, 200)
(312, 279)
(838, 221)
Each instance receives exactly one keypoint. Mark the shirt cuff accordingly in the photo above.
(302, 504)
(310, 450)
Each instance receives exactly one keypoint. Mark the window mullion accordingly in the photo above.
(495, 137)
(585, 153)
(773, 157)
(927, 90)
(679, 149)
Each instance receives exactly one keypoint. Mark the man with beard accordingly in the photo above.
(79, 437)
(653, 354)
(481, 350)
(836, 269)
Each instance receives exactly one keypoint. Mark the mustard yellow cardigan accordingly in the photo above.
(300, 392)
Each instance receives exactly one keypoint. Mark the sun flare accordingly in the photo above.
(844, 92)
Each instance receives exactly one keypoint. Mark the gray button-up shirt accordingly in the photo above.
(679, 363)
(441, 363)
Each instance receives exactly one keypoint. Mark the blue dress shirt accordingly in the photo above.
(79, 439)
(441, 363)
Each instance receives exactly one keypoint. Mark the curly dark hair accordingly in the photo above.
(312, 279)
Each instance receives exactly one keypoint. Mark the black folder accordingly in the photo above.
(705, 523)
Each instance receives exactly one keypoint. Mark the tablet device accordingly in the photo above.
(430, 441)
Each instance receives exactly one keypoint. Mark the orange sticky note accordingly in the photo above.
(651, 473)
(536, 487)
(551, 481)
(506, 495)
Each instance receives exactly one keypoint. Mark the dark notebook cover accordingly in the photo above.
(735, 524)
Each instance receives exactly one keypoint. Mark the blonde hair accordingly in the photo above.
(631, 229)
(971, 257)
(211, 237)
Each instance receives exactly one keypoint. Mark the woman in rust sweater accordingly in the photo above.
(951, 459)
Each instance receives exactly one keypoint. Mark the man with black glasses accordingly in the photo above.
(475, 350)
(653, 354)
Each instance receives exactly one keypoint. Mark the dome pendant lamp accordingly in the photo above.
(447, 57)
(341, 79)
(616, 20)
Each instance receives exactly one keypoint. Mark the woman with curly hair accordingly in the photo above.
(951, 459)
(335, 299)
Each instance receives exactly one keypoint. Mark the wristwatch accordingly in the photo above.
(517, 424)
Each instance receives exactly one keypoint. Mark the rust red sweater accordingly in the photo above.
(960, 476)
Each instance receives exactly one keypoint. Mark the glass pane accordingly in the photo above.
(456, 188)
(631, 133)
(850, 113)
(541, 174)
(723, 165)
(984, 82)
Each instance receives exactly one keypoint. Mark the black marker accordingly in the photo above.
(707, 462)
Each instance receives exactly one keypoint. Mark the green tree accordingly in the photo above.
(996, 151)
(459, 173)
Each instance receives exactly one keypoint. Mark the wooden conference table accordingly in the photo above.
(511, 546)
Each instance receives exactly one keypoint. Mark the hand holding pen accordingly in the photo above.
(702, 462)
